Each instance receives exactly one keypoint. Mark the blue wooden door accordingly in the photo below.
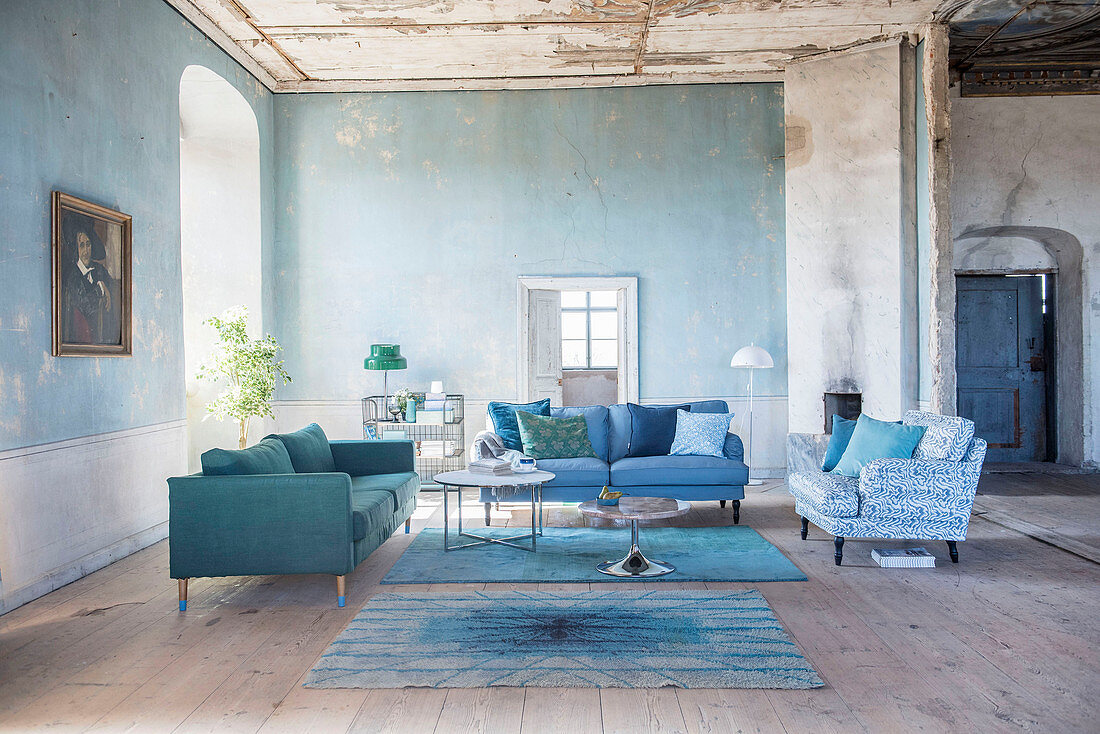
(1000, 362)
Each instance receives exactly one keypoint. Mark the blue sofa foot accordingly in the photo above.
(340, 587)
(183, 605)
(805, 527)
(721, 503)
(183, 594)
(838, 545)
(736, 511)
(340, 601)
(953, 550)
(408, 526)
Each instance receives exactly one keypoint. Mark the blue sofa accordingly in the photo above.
(680, 477)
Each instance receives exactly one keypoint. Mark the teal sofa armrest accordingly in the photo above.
(260, 524)
(363, 458)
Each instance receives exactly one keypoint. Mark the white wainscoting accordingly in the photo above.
(342, 419)
(72, 507)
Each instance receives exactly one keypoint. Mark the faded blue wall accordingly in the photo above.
(89, 105)
(924, 240)
(408, 217)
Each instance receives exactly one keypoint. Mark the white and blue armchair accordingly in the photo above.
(928, 497)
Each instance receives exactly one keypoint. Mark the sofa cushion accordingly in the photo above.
(873, 439)
(576, 472)
(946, 437)
(652, 429)
(400, 486)
(505, 425)
(833, 495)
(309, 450)
(647, 471)
(596, 417)
(842, 436)
(370, 510)
(269, 456)
(545, 437)
(700, 434)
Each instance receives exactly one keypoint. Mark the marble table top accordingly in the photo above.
(467, 478)
(637, 508)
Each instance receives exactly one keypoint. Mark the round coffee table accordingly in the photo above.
(519, 482)
(636, 565)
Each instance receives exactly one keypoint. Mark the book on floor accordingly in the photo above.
(903, 558)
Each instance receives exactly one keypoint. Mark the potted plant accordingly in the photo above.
(249, 368)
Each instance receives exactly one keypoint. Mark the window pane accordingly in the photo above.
(573, 325)
(573, 353)
(604, 299)
(605, 353)
(604, 325)
(572, 299)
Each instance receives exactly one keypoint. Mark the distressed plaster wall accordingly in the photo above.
(409, 217)
(90, 107)
(1024, 193)
(851, 236)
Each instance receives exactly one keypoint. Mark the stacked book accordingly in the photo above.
(435, 409)
(903, 558)
(437, 449)
(491, 466)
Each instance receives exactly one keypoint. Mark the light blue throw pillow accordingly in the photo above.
(874, 439)
(700, 434)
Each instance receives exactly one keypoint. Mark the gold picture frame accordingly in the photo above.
(92, 279)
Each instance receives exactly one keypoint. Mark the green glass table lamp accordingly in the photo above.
(385, 357)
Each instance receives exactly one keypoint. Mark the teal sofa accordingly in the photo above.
(293, 503)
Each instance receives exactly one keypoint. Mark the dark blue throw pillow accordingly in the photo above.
(652, 429)
(842, 434)
(507, 427)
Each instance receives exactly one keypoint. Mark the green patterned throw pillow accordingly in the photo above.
(554, 438)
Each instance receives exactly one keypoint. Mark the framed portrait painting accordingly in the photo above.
(92, 289)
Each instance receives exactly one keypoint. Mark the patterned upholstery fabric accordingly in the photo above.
(702, 434)
(897, 498)
(554, 438)
(945, 437)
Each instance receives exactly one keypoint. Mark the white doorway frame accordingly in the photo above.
(627, 304)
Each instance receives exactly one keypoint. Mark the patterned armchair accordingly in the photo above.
(928, 497)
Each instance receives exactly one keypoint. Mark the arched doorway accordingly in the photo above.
(220, 231)
(1031, 274)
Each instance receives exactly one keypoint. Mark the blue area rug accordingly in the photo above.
(735, 553)
(591, 639)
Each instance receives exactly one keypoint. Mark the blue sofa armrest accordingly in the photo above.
(908, 488)
(362, 458)
(260, 524)
(734, 448)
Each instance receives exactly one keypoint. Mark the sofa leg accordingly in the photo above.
(488, 509)
(838, 545)
(183, 594)
(805, 527)
(953, 550)
(408, 526)
(340, 596)
(736, 511)
(721, 503)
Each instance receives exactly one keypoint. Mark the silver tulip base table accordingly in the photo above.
(634, 564)
(504, 486)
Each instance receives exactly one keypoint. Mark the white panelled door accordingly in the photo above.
(544, 366)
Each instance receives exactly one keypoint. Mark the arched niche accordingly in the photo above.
(1009, 250)
(220, 232)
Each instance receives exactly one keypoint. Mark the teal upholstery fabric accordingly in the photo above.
(674, 470)
(399, 486)
(269, 456)
(873, 439)
(842, 435)
(370, 510)
(359, 458)
(576, 472)
(308, 448)
(545, 437)
(596, 416)
(505, 424)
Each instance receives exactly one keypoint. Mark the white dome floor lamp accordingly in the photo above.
(752, 358)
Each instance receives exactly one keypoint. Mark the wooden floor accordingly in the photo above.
(1007, 640)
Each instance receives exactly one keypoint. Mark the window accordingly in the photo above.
(589, 330)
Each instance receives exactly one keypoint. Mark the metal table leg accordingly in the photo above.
(634, 564)
(536, 530)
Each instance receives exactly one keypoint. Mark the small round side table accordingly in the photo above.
(634, 564)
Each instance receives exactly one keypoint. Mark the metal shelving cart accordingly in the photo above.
(440, 447)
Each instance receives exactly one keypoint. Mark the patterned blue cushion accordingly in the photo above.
(505, 424)
(700, 434)
(946, 438)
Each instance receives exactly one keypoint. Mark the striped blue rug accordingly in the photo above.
(589, 639)
(733, 553)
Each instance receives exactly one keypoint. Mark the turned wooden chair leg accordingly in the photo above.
(838, 545)
(721, 503)
(953, 550)
(183, 594)
(805, 527)
(408, 526)
(340, 599)
(736, 511)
